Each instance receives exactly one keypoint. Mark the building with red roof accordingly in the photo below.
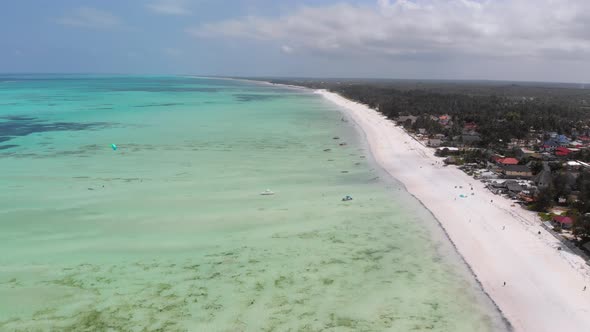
(562, 151)
(507, 161)
(444, 119)
(563, 221)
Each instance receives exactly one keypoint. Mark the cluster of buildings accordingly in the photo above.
(529, 166)
(519, 176)
(541, 144)
(469, 135)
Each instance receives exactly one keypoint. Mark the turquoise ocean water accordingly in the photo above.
(169, 232)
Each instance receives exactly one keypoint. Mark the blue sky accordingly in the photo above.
(454, 39)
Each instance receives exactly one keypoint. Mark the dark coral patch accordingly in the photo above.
(16, 126)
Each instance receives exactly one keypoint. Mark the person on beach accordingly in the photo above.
(504, 284)
(584, 288)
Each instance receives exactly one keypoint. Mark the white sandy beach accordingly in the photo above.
(500, 242)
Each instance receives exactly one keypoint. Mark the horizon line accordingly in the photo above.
(260, 77)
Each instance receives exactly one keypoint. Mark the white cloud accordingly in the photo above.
(286, 49)
(169, 7)
(425, 29)
(90, 18)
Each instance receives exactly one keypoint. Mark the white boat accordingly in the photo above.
(267, 192)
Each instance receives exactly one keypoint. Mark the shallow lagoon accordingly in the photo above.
(170, 232)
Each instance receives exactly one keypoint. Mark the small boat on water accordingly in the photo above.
(267, 192)
(347, 198)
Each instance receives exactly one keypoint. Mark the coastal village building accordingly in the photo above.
(549, 146)
(563, 141)
(576, 165)
(512, 188)
(449, 149)
(563, 222)
(523, 153)
(562, 151)
(486, 175)
(444, 119)
(517, 171)
(572, 165)
(505, 161)
(555, 142)
(517, 143)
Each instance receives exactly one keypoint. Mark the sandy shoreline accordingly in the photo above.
(500, 242)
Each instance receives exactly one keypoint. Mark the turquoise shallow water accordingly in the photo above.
(170, 232)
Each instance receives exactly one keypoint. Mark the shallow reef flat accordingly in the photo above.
(170, 231)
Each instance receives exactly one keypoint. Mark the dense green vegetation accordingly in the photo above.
(501, 111)
(564, 185)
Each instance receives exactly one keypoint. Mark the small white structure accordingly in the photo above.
(434, 142)
(450, 149)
